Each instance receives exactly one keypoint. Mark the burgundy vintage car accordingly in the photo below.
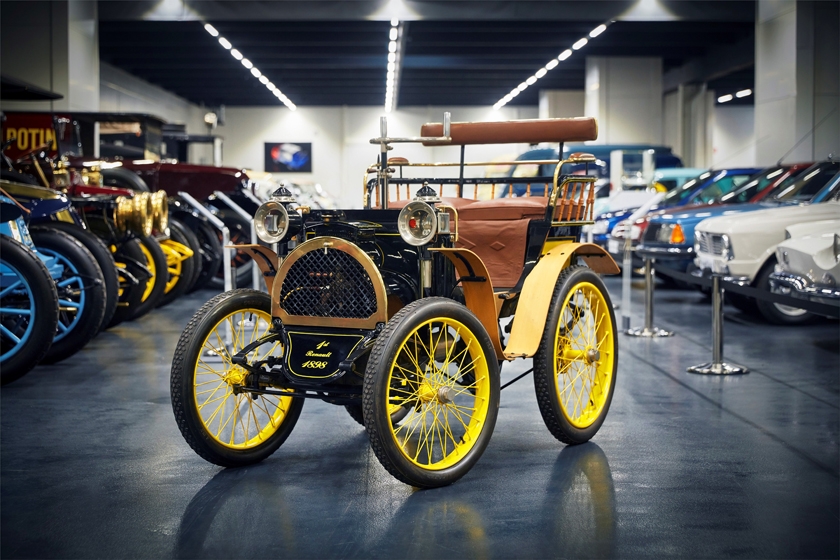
(127, 148)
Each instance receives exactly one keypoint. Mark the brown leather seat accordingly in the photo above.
(505, 209)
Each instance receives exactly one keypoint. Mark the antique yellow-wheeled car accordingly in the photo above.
(394, 312)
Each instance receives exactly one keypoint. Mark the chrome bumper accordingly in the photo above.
(805, 288)
(666, 252)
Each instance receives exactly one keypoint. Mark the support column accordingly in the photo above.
(560, 103)
(797, 80)
(55, 46)
(625, 95)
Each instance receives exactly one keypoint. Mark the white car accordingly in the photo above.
(808, 262)
(743, 249)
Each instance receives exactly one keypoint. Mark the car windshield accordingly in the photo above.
(714, 191)
(829, 192)
(803, 187)
(683, 193)
(753, 185)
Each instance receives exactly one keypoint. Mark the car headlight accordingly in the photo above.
(601, 227)
(273, 222)
(728, 253)
(417, 223)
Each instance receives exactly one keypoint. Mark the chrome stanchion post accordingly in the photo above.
(717, 366)
(626, 279)
(649, 331)
(255, 272)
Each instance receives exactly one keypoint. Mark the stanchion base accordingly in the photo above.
(719, 368)
(648, 333)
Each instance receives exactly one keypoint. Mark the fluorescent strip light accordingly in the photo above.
(743, 93)
(725, 98)
(598, 30)
(393, 34)
(552, 64)
(250, 66)
(395, 22)
(393, 66)
(392, 46)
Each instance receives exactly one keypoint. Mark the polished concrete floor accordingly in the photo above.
(93, 465)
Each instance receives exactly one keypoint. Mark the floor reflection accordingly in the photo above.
(579, 506)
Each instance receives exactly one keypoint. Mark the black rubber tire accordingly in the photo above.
(160, 278)
(211, 254)
(240, 233)
(88, 323)
(45, 299)
(104, 259)
(191, 240)
(182, 383)
(770, 311)
(129, 254)
(124, 179)
(16, 177)
(544, 383)
(188, 269)
(385, 350)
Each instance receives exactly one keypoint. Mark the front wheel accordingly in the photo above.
(224, 425)
(28, 309)
(575, 365)
(435, 360)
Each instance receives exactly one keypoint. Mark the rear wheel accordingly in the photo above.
(223, 424)
(104, 259)
(435, 360)
(180, 265)
(81, 292)
(575, 365)
(133, 275)
(156, 285)
(29, 303)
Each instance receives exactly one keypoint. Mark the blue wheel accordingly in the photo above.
(82, 296)
(28, 310)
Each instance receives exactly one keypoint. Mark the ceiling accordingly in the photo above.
(445, 62)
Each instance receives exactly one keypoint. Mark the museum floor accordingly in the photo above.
(93, 464)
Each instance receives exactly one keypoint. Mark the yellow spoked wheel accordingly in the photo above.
(180, 267)
(575, 366)
(150, 264)
(435, 361)
(221, 422)
(130, 262)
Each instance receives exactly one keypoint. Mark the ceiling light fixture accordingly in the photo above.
(250, 66)
(394, 35)
(743, 93)
(725, 98)
(551, 65)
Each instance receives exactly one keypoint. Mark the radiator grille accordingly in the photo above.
(328, 283)
(711, 243)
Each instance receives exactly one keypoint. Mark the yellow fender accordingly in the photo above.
(535, 298)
